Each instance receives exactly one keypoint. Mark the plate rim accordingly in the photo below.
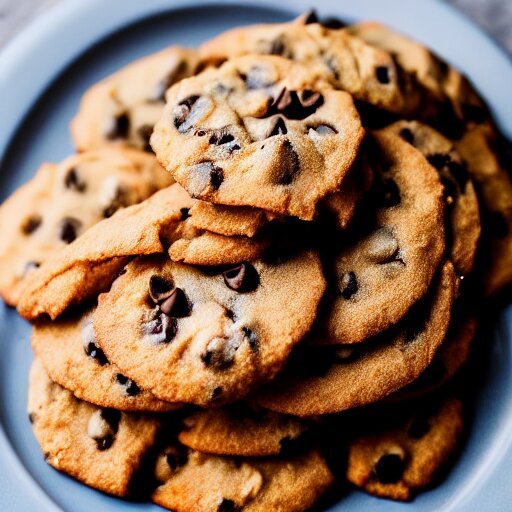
(58, 23)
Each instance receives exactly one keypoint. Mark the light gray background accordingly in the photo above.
(495, 16)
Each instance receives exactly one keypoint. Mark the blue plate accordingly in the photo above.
(43, 73)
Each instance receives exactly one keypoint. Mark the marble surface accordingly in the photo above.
(495, 16)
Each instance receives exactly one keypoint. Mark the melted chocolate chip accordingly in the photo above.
(276, 127)
(168, 80)
(144, 132)
(242, 278)
(182, 110)
(176, 305)
(120, 127)
(348, 285)
(30, 224)
(95, 352)
(389, 468)
(68, 229)
(295, 104)
(72, 181)
(223, 138)
(184, 213)
(390, 194)
(160, 288)
(407, 135)
(253, 339)
(220, 353)
(131, 388)
(419, 426)
(226, 505)
(112, 417)
(382, 74)
(161, 328)
(290, 164)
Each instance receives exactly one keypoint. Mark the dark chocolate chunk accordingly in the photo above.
(184, 213)
(389, 468)
(407, 135)
(144, 132)
(161, 328)
(95, 352)
(72, 181)
(160, 288)
(220, 353)
(382, 74)
(276, 127)
(182, 110)
(176, 305)
(295, 105)
(226, 505)
(131, 388)
(68, 229)
(216, 393)
(30, 224)
(348, 285)
(242, 278)
(222, 137)
(120, 127)
(390, 194)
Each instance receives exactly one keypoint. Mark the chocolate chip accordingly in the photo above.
(72, 181)
(419, 426)
(182, 111)
(439, 160)
(226, 505)
(382, 73)
(348, 285)
(30, 224)
(220, 353)
(103, 426)
(216, 393)
(184, 213)
(176, 305)
(295, 105)
(68, 229)
(242, 278)
(131, 388)
(215, 173)
(324, 130)
(389, 468)
(118, 201)
(95, 352)
(31, 417)
(390, 193)
(160, 288)
(161, 328)
(309, 98)
(222, 137)
(144, 132)
(253, 339)
(473, 113)
(310, 17)
(120, 127)
(276, 127)
(166, 82)
(290, 164)
(407, 135)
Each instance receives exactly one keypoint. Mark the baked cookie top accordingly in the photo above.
(259, 131)
(123, 108)
(207, 337)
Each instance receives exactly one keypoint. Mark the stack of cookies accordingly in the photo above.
(259, 276)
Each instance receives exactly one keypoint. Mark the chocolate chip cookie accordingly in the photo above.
(123, 108)
(62, 201)
(259, 131)
(72, 358)
(101, 447)
(324, 380)
(207, 337)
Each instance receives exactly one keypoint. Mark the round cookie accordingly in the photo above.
(102, 448)
(258, 131)
(123, 108)
(203, 338)
(397, 462)
(494, 187)
(463, 226)
(89, 264)
(369, 74)
(62, 201)
(72, 358)
(241, 430)
(209, 483)
(324, 380)
(389, 263)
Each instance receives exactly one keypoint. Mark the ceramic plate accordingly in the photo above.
(43, 73)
